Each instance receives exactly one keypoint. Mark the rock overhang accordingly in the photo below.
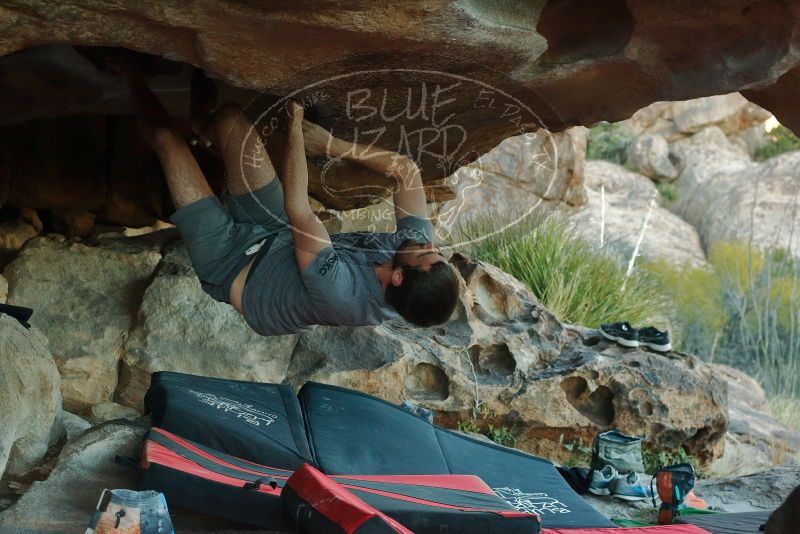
(609, 60)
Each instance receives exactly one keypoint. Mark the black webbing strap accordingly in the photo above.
(263, 474)
(256, 484)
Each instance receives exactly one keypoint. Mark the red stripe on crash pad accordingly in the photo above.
(158, 454)
(215, 459)
(455, 482)
(334, 502)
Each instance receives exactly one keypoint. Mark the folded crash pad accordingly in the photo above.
(740, 523)
(319, 505)
(353, 433)
(664, 529)
(199, 478)
(259, 422)
(423, 504)
(431, 504)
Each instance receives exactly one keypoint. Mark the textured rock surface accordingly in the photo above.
(519, 175)
(107, 411)
(3, 289)
(85, 299)
(180, 328)
(649, 153)
(30, 399)
(65, 501)
(761, 491)
(731, 113)
(507, 358)
(609, 60)
(755, 440)
(751, 201)
(627, 199)
(13, 235)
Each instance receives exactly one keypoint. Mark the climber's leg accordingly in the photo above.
(256, 196)
(247, 164)
(184, 177)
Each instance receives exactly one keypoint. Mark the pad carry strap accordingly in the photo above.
(256, 484)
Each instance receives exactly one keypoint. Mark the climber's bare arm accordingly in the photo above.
(310, 236)
(409, 197)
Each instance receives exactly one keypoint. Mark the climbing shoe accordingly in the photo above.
(655, 339)
(673, 483)
(623, 333)
(628, 488)
(601, 479)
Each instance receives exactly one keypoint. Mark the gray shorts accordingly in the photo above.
(221, 242)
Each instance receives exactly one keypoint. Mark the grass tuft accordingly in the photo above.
(609, 142)
(780, 140)
(578, 283)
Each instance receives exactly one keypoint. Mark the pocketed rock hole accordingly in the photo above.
(426, 383)
(597, 405)
(492, 363)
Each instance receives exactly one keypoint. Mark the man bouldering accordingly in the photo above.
(268, 255)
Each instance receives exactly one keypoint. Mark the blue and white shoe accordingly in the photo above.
(628, 488)
(602, 479)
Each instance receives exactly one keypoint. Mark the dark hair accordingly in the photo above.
(425, 298)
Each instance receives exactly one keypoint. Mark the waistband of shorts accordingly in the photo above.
(140, 499)
(181, 214)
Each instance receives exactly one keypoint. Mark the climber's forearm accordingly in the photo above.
(308, 233)
(409, 195)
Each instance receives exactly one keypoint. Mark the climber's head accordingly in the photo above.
(424, 286)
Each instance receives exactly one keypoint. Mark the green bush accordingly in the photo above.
(780, 140)
(609, 142)
(576, 282)
(744, 312)
(656, 459)
(667, 191)
(502, 435)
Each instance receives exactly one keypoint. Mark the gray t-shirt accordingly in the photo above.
(338, 288)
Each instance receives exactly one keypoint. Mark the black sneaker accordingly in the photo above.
(655, 339)
(623, 333)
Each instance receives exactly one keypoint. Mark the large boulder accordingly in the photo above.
(627, 201)
(728, 197)
(755, 440)
(649, 153)
(760, 491)
(180, 328)
(519, 175)
(551, 64)
(65, 501)
(85, 300)
(30, 397)
(508, 361)
(732, 113)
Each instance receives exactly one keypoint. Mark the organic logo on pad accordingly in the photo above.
(245, 412)
(532, 503)
(432, 118)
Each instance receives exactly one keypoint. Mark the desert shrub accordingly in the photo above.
(655, 459)
(667, 191)
(502, 435)
(697, 313)
(609, 142)
(575, 281)
(780, 140)
(742, 312)
(786, 410)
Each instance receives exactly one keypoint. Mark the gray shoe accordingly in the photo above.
(602, 479)
(628, 488)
